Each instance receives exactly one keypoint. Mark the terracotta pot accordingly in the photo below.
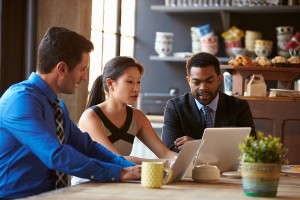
(260, 179)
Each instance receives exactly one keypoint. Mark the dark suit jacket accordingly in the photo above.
(182, 117)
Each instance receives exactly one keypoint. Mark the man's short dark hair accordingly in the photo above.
(202, 59)
(60, 44)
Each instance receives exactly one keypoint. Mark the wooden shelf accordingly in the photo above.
(226, 10)
(168, 58)
(180, 59)
(269, 73)
(283, 75)
(270, 99)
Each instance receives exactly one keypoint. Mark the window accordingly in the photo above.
(112, 32)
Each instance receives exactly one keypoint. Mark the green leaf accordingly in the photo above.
(265, 149)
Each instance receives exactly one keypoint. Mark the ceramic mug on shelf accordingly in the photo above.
(163, 43)
(209, 44)
(284, 35)
(229, 44)
(153, 174)
(263, 48)
(250, 38)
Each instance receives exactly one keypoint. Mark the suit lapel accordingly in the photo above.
(220, 119)
(194, 112)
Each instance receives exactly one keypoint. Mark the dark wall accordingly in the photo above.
(12, 42)
(161, 76)
(17, 41)
(266, 23)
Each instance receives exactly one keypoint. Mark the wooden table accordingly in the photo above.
(226, 188)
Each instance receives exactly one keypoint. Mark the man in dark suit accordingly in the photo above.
(185, 117)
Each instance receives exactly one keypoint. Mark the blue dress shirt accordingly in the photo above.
(30, 151)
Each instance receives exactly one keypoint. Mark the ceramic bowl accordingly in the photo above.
(212, 49)
(229, 44)
(263, 51)
(264, 43)
(163, 50)
(205, 29)
(206, 173)
(253, 35)
(284, 29)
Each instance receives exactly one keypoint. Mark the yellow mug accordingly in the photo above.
(153, 174)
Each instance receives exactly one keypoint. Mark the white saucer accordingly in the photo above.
(290, 173)
(287, 169)
(232, 174)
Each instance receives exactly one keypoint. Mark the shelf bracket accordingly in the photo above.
(225, 19)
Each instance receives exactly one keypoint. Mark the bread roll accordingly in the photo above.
(241, 60)
(263, 61)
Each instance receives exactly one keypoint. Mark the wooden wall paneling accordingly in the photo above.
(281, 118)
(74, 15)
(291, 139)
(264, 125)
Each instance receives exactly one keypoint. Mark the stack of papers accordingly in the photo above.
(284, 93)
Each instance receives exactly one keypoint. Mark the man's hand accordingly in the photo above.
(131, 173)
(180, 141)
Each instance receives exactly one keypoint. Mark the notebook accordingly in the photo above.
(221, 148)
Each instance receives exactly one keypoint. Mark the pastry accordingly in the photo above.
(262, 61)
(244, 60)
(294, 61)
(234, 63)
(241, 60)
(279, 61)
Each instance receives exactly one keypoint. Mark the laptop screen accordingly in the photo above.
(221, 148)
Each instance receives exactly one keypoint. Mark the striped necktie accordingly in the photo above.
(207, 116)
(61, 178)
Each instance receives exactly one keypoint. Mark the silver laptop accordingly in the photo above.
(185, 157)
(221, 148)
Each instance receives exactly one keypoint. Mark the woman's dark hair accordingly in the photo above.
(113, 70)
(202, 60)
(60, 44)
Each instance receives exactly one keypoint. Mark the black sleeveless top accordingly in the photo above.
(117, 133)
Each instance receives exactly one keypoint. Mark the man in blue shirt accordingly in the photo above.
(30, 151)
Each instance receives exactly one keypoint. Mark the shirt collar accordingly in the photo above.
(42, 86)
(213, 105)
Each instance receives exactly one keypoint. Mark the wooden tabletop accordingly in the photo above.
(226, 188)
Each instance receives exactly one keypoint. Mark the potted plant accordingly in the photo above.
(261, 161)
